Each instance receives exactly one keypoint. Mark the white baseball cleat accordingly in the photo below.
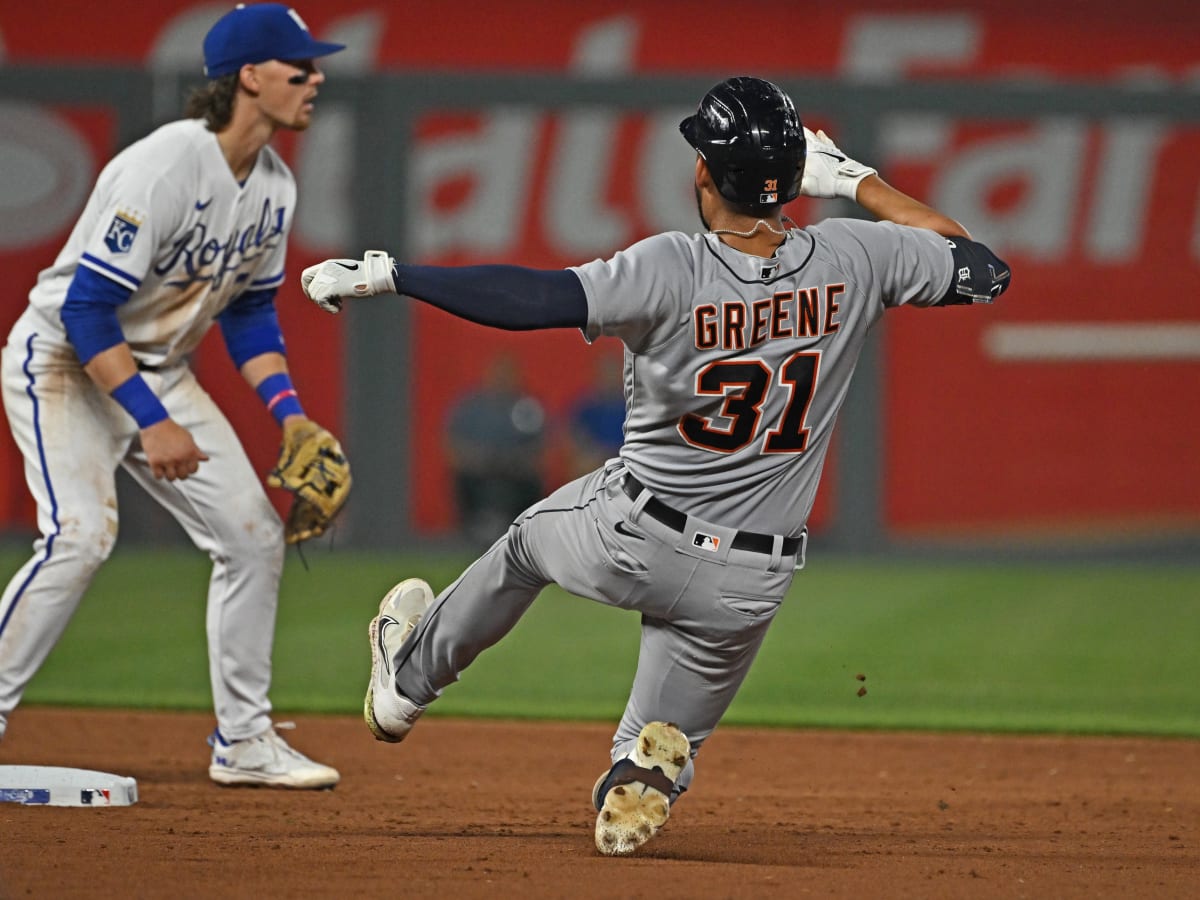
(266, 760)
(388, 714)
(634, 796)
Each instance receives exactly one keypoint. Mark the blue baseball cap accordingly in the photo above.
(255, 33)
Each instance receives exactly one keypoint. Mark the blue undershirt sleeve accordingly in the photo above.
(250, 326)
(89, 313)
(513, 298)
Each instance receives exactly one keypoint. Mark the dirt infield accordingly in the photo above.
(501, 809)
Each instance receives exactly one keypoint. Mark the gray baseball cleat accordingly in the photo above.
(634, 796)
(388, 714)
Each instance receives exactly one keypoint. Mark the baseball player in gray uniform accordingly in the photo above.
(740, 343)
(185, 227)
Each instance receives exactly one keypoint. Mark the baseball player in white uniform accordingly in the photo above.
(185, 227)
(740, 343)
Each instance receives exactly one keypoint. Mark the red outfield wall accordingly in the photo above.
(991, 423)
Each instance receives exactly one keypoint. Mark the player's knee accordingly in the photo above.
(87, 544)
(270, 536)
(262, 544)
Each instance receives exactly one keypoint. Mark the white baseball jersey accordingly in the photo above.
(736, 366)
(168, 221)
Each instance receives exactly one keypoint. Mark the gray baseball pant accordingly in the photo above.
(704, 611)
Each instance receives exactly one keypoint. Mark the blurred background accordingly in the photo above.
(1061, 421)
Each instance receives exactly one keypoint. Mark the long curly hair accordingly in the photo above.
(213, 102)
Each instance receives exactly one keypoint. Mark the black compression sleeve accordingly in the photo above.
(509, 297)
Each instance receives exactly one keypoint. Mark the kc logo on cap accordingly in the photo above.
(256, 32)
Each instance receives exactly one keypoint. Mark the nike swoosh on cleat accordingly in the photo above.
(352, 268)
(620, 528)
(384, 657)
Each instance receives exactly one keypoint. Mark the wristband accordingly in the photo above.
(139, 401)
(277, 392)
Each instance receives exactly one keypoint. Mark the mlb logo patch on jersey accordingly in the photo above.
(709, 542)
(121, 231)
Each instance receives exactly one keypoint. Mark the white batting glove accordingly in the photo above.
(327, 284)
(828, 172)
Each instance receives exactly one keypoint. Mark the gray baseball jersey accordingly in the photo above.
(735, 369)
(736, 366)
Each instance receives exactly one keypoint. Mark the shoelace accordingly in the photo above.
(272, 738)
(281, 746)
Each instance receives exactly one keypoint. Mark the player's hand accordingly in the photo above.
(327, 284)
(170, 450)
(828, 172)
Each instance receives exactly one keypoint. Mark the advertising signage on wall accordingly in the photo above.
(1079, 388)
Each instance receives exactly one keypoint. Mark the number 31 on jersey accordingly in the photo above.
(745, 383)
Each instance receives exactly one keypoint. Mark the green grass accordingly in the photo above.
(1058, 648)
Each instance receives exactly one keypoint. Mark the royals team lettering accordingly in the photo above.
(741, 325)
(199, 257)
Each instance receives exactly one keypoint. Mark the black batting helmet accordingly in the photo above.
(748, 132)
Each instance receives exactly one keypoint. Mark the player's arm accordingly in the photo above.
(513, 298)
(977, 274)
(254, 341)
(887, 204)
(830, 173)
(89, 315)
(311, 463)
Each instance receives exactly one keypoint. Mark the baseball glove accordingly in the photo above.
(313, 467)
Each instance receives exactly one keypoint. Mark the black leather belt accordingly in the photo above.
(673, 518)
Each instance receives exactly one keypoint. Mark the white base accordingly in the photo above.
(58, 786)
